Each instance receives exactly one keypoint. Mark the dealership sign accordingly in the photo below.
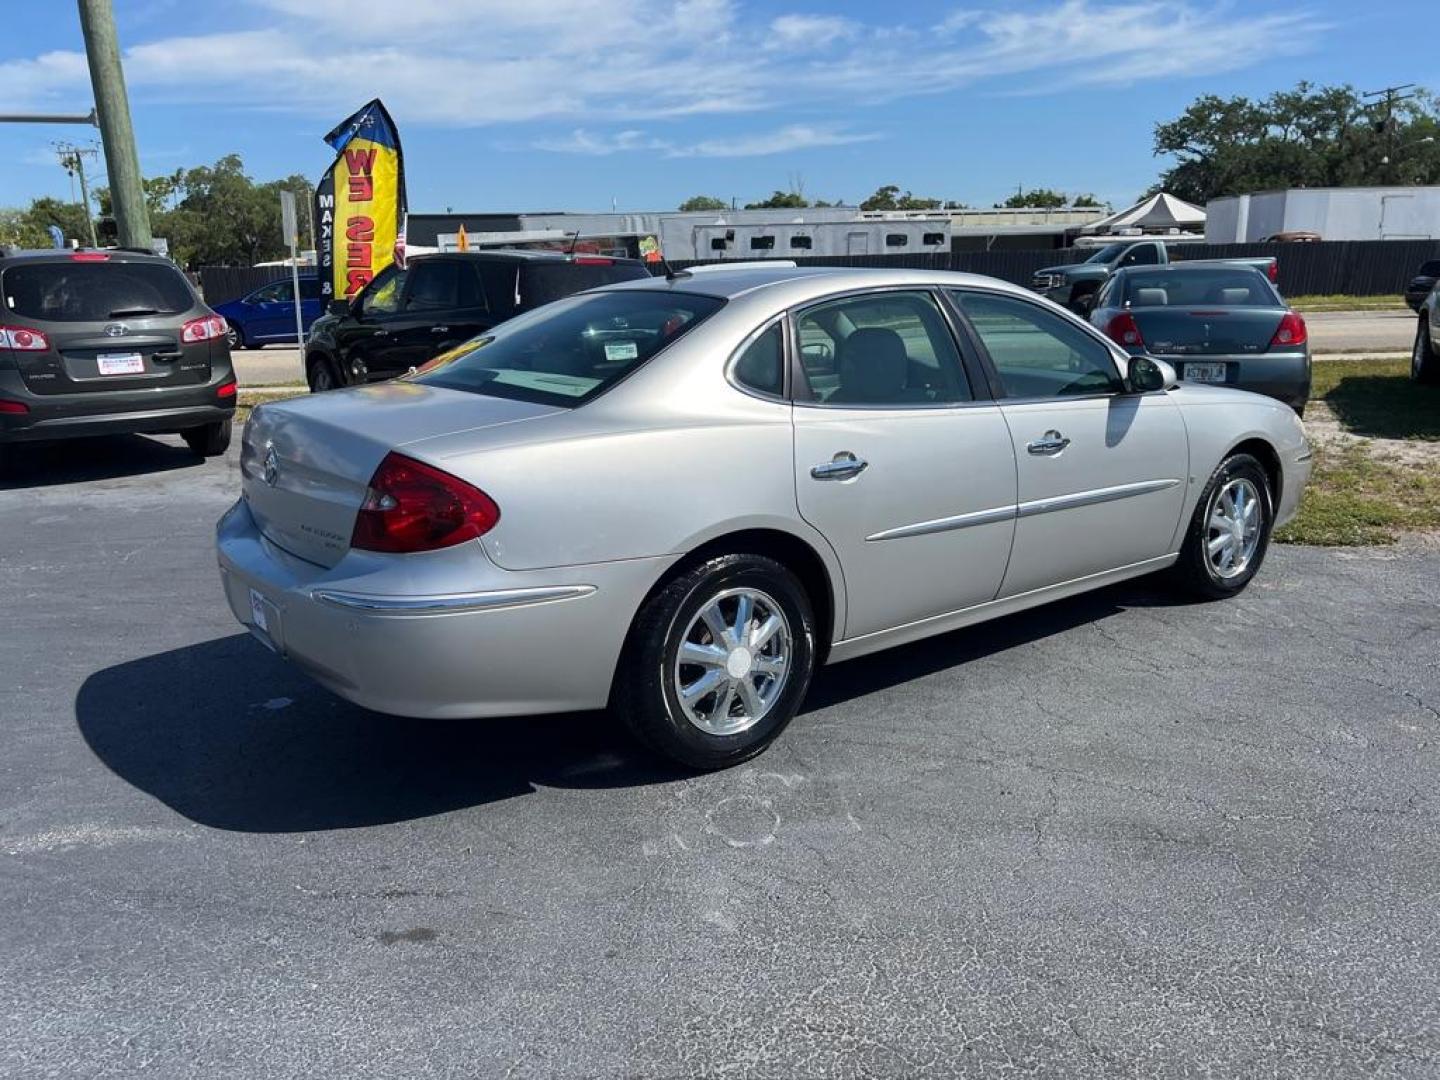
(359, 202)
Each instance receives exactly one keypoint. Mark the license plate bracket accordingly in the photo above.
(1207, 373)
(131, 363)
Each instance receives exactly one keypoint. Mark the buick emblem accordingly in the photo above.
(272, 467)
(115, 329)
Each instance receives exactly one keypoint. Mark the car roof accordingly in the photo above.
(67, 254)
(803, 282)
(1196, 267)
(525, 255)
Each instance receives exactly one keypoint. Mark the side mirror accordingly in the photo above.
(338, 307)
(1146, 374)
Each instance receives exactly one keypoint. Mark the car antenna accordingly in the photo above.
(574, 239)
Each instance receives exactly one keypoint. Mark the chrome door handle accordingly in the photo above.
(382, 332)
(440, 329)
(1052, 442)
(843, 467)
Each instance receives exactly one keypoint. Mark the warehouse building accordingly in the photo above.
(1360, 213)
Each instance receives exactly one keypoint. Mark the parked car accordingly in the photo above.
(407, 315)
(1422, 284)
(267, 314)
(679, 496)
(1295, 236)
(1425, 358)
(107, 342)
(1075, 285)
(1214, 323)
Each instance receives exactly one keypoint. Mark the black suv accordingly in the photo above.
(406, 316)
(107, 342)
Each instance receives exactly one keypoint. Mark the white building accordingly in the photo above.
(1360, 213)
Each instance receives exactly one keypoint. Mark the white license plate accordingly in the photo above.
(121, 364)
(258, 604)
(1205, 372)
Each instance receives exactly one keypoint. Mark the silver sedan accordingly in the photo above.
(677, 497)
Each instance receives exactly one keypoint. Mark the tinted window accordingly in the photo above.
(760, 365)
(896, 239)
(1108, 253)
(1143, 255)
(468, 292)
(1037, 352)
(434, 285)
(568, 352)
(801, 242)
(95, 291)
(889, 348)
(762, 243)
(273, 293)
(502, 285)
(1190, 288)
(382, 295)
(542, 282)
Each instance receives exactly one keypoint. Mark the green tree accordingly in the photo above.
(890, 197)
(781, 200)
(1311, 136)
(704, 202)
(1086, 201)
(1039, 199)
(29, 227)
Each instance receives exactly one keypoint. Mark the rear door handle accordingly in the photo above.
(844, 466)
(1051, 443)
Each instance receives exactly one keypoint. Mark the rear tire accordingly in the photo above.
(757, 661)
(1229, 532)
(209, 440)
(322, 375)
(1424, 364)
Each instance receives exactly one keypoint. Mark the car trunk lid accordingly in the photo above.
(307, 462)
(1231, 331)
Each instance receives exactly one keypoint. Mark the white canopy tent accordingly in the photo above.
(1159, 213)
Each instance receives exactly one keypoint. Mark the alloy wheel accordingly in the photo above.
(1233, 533)
(733, 661)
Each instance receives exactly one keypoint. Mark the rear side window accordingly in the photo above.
(309, 288)
(502, 285)
(760, 365)
(542, 282)
(570, 351)
(94, 291)
(434, 285)
(1224, 287)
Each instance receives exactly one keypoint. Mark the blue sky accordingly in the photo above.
(570, 104)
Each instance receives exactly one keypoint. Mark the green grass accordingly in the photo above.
(1348, 303)
(1355, 497)
(249, 398)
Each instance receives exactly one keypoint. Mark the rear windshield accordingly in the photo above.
(1221, 287)
(94, 291)
(542, 282)
(569, 352)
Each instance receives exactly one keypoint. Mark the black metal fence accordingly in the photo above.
(1349, 268)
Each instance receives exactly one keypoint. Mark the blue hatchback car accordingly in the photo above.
(268, 314)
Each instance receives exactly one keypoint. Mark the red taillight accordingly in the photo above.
(23, 339)
(1122, 328)
(1290, 333)
(225, 390)
(90, 256)
(411, 506)
(593, 260)
(204, 329)
(14, 408)
(1273, 271)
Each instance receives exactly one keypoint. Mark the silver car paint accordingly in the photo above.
(610, 495)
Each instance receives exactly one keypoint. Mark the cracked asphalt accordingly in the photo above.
(1119, 836)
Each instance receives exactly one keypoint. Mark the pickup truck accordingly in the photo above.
(1075, 285)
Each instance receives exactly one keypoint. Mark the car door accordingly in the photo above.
(1102, 472)
(901, 459)
(443, 305)
(267, 308)
(365, 337)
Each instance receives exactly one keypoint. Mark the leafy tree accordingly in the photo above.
(781, 200)
(29, 228)
(1311, 136)
(1039, 199)
(1086, 201)
(890, 197)
(704, 202)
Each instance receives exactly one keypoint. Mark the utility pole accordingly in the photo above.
(1393, 95)
(72, 160)
(127, 192)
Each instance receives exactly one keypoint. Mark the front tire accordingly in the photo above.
(717, 662)
(209, 440)
(1229, 532)
(1424, 364)
(322, 375)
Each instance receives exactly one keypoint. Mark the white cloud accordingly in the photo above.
(757, 144)
(473, 63)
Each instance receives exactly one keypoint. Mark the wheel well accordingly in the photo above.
(790, 551)
(1263, 452)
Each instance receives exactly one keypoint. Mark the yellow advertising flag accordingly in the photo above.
(361, 202)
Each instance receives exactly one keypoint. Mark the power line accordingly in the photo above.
(72, 160)
(1392, 95)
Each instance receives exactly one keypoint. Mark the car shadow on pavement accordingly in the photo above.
(104, 457)
(1386, 407)
(233, 737)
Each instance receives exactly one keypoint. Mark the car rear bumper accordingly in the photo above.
(500, 643)
(117, 412)
(1283, 376)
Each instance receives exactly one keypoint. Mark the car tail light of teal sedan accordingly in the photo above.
(676, 498)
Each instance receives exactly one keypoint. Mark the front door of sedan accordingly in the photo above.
(1102, 472)
(906, 469)
(443, 306)
(366, 336)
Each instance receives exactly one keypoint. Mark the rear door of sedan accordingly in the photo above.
(1102, 472)
(902, 460)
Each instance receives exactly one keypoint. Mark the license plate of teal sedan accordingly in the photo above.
(676, 498)
(1211, 373)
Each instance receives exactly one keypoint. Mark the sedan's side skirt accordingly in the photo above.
(994, 609)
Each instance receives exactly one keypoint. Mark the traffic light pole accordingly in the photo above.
(127, 193)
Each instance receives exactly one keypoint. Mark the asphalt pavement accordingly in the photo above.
(1121, 835)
